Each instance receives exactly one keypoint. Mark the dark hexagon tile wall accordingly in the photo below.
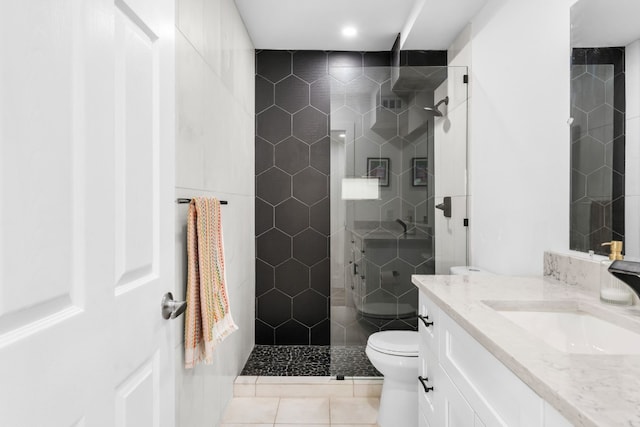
(292, 217)
(274, 308)
(264, 94)
(292, 277)
(310, 247)
(264, 155)
(310, 125)
(273, 186)
(597, 148)
(264, 217)
(264, 277)
(310, 65)
(292, 155)
(291, 333)
(293, 105)
(310, 186)
(274, 247)
(309, 307)
(273, 65)
(292, 94)
(292, 100)
(273, 124)
(319, 217)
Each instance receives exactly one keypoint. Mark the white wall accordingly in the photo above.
(450, 157)
(632, 158)
(519, 137)
(215, 72)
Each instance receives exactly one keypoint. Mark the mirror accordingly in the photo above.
(605, 132)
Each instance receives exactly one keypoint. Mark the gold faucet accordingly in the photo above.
(616, 249)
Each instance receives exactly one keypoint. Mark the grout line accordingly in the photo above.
(277, 410)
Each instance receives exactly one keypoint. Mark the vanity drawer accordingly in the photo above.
(422, 420)
(426, 402)
(428, 324)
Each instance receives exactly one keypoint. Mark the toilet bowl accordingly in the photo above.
(395, 355)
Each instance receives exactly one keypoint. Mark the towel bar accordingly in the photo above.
(182, 201)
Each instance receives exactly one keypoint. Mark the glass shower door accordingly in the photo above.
(405, 129)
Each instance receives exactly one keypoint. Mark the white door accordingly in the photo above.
(86, 183)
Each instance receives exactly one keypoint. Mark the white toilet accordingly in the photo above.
(466, 270)
(395, 355)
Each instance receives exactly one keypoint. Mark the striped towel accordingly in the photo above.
(208, 319)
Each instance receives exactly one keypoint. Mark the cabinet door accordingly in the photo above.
(422, 421)
(478, 422)
(426, 398)
(452, 408)
(443, 405)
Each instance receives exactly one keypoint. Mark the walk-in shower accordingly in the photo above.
(349, 168)
(386, 124)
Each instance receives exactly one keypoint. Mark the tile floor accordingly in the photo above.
(303, 401)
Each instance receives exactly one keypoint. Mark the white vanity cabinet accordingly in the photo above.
(465, 385)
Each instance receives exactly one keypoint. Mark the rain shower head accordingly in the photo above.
(435, 110)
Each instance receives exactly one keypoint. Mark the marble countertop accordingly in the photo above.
(588, 390)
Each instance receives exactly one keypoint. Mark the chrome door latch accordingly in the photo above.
(170, 308)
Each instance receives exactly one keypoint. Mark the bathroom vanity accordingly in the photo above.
(511, 351)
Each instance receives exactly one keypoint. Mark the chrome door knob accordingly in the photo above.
(170, 308)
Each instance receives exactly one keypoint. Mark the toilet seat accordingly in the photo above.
(395, 343)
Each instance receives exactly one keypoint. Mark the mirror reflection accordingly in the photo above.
(605, 99)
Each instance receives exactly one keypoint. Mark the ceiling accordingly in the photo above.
(595, 23)
(317, 24)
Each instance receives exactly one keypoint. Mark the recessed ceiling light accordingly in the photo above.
(343, 135)
(349, 32)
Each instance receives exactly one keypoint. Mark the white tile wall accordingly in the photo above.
(632, 151)
(632, 226)
(632, 79)
(215, 157)
(451, 235)
(450, 153)
(519, 181)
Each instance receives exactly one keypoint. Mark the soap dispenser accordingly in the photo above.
(612, 290)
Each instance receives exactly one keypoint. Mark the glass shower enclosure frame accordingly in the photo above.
(399, 137)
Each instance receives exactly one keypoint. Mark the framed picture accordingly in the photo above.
(420, 169)
(378, 167)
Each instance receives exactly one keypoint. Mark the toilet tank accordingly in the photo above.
(466, 270)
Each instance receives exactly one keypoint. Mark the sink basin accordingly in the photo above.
(572, 330)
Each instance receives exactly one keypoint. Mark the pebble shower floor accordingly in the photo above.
(309, 360)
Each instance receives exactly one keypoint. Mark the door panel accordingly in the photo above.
(136, 401)
(143, 207)
(41, 228)
(136, 148)
(43, 316)
(86, 178)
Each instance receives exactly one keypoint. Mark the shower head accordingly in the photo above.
(435, 110)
